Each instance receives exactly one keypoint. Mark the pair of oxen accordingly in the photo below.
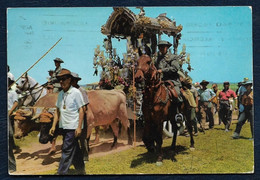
(107, 107)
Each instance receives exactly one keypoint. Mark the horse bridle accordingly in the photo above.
(30, 89)
(27, 81)
(155, 84)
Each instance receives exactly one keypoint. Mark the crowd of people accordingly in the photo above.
(204, 104)
(221, 104)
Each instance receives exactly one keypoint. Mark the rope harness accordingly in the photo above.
(31, 89)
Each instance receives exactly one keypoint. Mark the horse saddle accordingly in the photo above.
(172, 91)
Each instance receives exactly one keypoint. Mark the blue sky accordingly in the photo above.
(219, 40)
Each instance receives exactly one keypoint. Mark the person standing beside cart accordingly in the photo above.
(69, 114)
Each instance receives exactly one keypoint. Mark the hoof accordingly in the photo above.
(114, 146)
(174, 159)
(86, 158)
(192, 148)
(159, 163)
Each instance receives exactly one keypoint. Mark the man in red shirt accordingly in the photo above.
(225, 109)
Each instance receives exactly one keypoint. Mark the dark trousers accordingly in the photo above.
(194, 119)
(71, 153)
(225, 114)
(11, 158)
(246, 114)
(84, 142)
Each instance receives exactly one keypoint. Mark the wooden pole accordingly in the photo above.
(134, 97)
(36, 62)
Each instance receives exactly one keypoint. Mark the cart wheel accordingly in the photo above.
(167, 129)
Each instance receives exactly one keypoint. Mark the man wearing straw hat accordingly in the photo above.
(69, 114)
(247, 112)
(54, 80)
(206, 108)
(169, 66)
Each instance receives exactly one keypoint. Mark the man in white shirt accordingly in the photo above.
(69, 114)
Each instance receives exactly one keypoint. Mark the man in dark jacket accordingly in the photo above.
(169, 66)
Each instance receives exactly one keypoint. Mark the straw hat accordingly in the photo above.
(64, 72)
(75, 76)
(58, 60)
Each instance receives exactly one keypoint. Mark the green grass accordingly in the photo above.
(232, 86)
(215, 152)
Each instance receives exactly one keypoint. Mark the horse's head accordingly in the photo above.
(23, 84)
(26, 82)
(143, 67)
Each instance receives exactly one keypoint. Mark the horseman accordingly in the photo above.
(54, 80)
(169, 66)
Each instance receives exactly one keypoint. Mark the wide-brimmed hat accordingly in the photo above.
(164, 43)
(51, 70)
(204, 82)
(75, 76)
(64, 72)
(58, 60)
(247, 82)
(226, 82)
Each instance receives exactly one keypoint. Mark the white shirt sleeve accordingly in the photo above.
(79, 99)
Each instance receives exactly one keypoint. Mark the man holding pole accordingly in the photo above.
(54, 80)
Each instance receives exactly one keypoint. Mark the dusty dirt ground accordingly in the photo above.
(34, 159)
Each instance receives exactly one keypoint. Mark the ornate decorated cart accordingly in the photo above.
(142, 34)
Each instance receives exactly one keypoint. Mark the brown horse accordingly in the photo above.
(157, 108)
